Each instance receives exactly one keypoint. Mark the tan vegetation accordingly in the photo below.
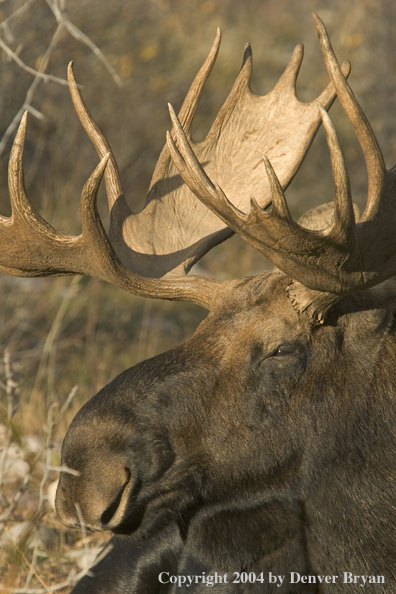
(132, 57)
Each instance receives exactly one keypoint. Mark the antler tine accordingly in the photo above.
(290, 75)
(288, 80)
(195, 177)
(279, 205)
(241, 84)
(371, 150)
(104, 263)
(190, 103)
(327, 97)
(117, 203)
(196, 289)
(92, 227)
(22, 208)
(344, 256)
(283, 241)
(344, 217)
(197, 173)
(16, 182)
(29, 246)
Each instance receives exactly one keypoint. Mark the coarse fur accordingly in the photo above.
(262, 444)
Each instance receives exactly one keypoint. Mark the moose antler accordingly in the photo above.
(345, 256)
(175, 230)
(142, 249)
(31, 247)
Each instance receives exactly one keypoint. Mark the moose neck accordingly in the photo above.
(349, 496)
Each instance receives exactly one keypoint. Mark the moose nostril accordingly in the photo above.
(114, 505)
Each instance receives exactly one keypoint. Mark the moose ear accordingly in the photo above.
(238, 536)
(316, 304)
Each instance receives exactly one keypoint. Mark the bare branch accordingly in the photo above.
(5, 517)
(17, 13)
(59, 14)
(31, 90)
(21, 64)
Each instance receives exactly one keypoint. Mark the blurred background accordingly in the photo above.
(132, 57)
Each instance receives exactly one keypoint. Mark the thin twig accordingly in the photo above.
(72, 579)
(30, 565)
(66, 405)
(17, 13)
(32, 89)
(60, 15)
(6, 516)
(12, 401)
(42, 498)
(53, 333)
(59, 11)
(80, 36)
(65, 469)
(21, 64)
(83, 533)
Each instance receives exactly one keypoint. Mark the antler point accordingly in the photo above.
(316, 18)
(70, 73)
(299, 48)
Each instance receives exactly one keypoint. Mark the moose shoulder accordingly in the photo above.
(259, 455)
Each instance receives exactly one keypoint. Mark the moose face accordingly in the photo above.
(207, 421)
(247, 436)
(237, 420)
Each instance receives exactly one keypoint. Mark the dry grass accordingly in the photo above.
(38, 554)
(51, 337)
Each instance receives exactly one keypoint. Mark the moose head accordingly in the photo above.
(265, 442)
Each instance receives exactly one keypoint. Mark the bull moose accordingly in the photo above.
(260, 454)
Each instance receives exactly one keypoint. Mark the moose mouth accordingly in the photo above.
(144, 510)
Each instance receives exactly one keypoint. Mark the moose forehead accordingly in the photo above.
(251, 309)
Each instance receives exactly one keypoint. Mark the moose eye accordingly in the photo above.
(280, 352)
(284, 350)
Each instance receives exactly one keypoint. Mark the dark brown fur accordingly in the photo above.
(245, 457)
